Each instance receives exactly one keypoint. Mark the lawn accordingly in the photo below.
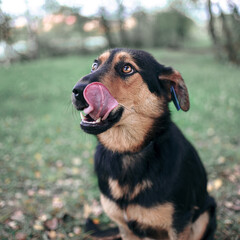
(47, 183)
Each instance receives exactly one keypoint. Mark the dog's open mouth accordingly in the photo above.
(101, 112)
(87, 119)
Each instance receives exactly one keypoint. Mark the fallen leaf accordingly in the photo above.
(71, 234)
(86, 210)
(30, 192)
(77, 230)
(43, 217)
(61, 236)
(51, 224)
(233, 205)
(76, 161)
(217, 183)
(96, 221)
(221, 160)
(38, 156)
(210, 132)
(18, 216)
(52, 234)
(59, 164)
(21, 236)
(96, 208)
(37, 174)
(47, 140)
(12, 224)
(38, 227)
(214, 185)
(57, 202)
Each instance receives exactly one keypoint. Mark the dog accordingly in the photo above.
(152, 182)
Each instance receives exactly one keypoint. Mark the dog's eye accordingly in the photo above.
(94, 67)
(127, 69)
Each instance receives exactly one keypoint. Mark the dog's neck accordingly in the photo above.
(134, 135)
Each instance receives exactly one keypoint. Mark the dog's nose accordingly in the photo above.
(78, 90)
(77, 96)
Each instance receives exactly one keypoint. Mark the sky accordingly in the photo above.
(89, 7)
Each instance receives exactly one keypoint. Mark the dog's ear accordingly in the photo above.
(177, 90)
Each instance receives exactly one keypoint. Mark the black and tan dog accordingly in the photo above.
(152, 182)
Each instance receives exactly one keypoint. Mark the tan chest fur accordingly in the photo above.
(160, 216)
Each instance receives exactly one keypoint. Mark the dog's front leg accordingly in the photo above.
(126, 234)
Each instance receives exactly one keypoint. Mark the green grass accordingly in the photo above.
(46, 161)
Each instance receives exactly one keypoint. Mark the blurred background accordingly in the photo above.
(47, 182)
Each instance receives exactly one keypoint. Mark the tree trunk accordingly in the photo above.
(106, 27)
(121, 20)
(212, 31)
(32, 35)
(232, 53)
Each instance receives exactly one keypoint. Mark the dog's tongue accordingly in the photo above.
(100, 101)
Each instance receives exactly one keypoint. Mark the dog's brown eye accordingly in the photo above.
(94, 67)
(127, 69)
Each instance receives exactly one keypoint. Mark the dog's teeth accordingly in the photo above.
(81, 115)
(98, 120)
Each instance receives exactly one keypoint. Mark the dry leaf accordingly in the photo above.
(43, 217)
(37, 174)
(52, 234)
(77, 230)
(96, 221)
(57, 202)
(38, 227)
(96, 208)
(18, 216)
(76, 161)
(38, 156)
(21, 236)
(214, 185)
(12, 224)
(217, 183)
(221, 160)
(233, 205)
(51, 224)
(86, 210)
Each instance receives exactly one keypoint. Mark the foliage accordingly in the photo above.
(170, 28)
(47, 183)
(224, 30)
(5, 28)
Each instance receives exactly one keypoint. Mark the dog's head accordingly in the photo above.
(126, 94)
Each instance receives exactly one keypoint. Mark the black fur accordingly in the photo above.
(171, 163)
(167, 159)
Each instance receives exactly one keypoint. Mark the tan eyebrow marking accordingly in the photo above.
(103, 57)
(126, 57)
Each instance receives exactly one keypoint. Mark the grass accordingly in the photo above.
(47, 184)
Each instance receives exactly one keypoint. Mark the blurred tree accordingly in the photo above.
(211, 23)
(32, 33)
(62, 30)
(121, 21)
(5, 28)
(170, 28)
(142, 31)
(106, 27)
(51, 6)
(5, 36)
(227, 40)
(229, 45)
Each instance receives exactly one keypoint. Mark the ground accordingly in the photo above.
(47, 182)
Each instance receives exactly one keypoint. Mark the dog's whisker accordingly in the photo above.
(131, 110)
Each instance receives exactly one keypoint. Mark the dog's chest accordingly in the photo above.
(159, 217)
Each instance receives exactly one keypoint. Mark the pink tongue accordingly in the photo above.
(100, 101)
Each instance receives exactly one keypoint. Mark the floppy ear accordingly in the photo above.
(177, 88)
